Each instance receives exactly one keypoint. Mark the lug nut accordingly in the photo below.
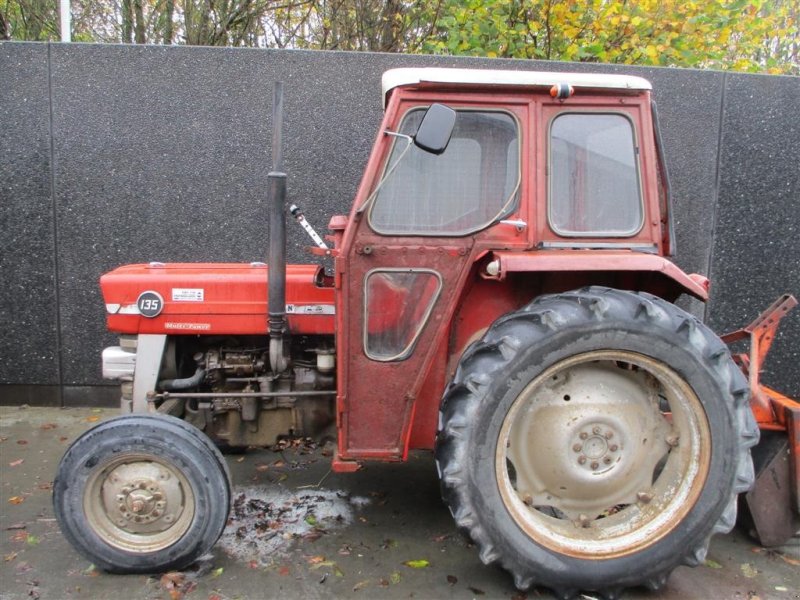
(672, 440)
(613, 447)
(644, 497)
(577, 447)
(581, 460)
(595, 430)
(584, 435)
(595, 465)
(528, 499)
(607, 460)
(609, 435)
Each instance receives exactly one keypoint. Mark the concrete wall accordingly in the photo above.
(119, 154)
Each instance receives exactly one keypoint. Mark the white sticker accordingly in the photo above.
(187, 294)
(311, 309)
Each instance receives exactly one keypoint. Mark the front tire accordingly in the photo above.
(142, 494)
(595, 440)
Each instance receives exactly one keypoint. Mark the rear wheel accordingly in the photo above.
(142, 494)
(595, 440)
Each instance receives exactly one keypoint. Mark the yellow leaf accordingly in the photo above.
(417, 564)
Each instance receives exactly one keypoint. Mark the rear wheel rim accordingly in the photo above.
(603, 454)
(139, 503)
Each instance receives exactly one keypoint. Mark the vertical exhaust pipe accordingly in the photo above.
(276, 196)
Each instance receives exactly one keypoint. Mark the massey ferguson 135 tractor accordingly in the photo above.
(500, 293)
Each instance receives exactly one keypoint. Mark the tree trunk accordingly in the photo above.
(169, 11)
(139, 24)
(127, 22)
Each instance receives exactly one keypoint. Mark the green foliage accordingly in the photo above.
(742, 35)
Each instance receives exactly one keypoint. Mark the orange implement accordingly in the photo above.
(774, 501)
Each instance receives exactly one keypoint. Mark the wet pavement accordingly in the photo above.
(298, 530)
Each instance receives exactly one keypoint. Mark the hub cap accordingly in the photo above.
(603, 454)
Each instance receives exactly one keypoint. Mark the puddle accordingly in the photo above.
(265, 522)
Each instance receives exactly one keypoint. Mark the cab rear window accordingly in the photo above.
(594, 182)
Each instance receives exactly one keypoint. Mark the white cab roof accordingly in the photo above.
(488, 77)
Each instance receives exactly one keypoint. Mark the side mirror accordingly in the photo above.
(435, 129)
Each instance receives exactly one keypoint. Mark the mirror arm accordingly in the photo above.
(409, 141)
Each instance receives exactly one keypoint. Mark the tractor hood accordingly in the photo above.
(213, 298)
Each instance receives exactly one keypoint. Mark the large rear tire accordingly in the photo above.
(142, 494)
(595, 440)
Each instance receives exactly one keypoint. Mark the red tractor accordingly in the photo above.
(501, 294)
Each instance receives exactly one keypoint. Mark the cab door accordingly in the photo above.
(405, 265)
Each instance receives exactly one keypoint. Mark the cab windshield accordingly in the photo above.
(466, 188)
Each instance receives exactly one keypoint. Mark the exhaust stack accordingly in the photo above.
(276, 196)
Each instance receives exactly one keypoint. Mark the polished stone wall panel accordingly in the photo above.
(757, 237)
(28, 296)
(162, 154)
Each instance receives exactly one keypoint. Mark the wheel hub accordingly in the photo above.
(141, 497)
(596, 448)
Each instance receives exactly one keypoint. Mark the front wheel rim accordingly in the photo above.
(139, 503)
(603, 454)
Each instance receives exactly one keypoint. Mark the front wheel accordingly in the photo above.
(142, 494)
(595, 440)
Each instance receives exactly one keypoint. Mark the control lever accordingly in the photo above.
(298, 214)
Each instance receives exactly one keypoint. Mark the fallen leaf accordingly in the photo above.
(311, 520)
(279, 463)
(440, 538)
(749, 570)
(20, 536)
(92, 419)
(22, 567)
(240, 459)
(520, 596)
(214, 597)
(10, 557)
(452, 579)
(395, 578)
(16, 500)
(32, 540)
(16, 526)
(788, 560)
(22, 442)
(313, 560)
(171, 580)
(16, 463)
(476, 591)
(217, 572)
(388, 543)
(712, 564)
(47, 426)
(361, 585)
(63, 438)
(45, 486)
(262, 468)
(781, 588)
(97, 410)
(253, 564)
(283, 571)
(417, 564)
(281, 477)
